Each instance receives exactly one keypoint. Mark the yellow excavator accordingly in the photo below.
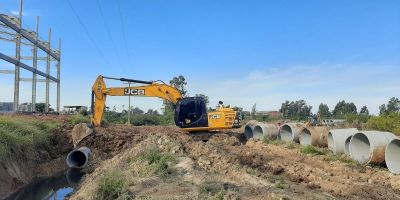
(190, 112)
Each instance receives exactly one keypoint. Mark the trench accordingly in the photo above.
(55, 187)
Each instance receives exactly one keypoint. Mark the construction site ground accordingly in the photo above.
(226, 167)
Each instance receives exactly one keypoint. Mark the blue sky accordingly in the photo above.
(241, 52)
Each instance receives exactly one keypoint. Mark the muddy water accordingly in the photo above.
(56, 187)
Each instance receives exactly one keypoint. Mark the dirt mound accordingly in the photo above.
(254, 169)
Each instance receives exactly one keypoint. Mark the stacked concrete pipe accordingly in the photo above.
(262, 130)
(315, 136)
(369, 146)
(392, 156)
(289, 132)
(78, 158)
(249, 128)
(337, 139)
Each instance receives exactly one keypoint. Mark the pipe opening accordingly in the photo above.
(347, 145)
(305, 137)
(286, 133)
(392, 156)
(248, 132)
(360, 148)
(331, 143)
(258, 132)
(77, 159)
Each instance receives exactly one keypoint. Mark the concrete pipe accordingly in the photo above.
(269, 131)
(249, 128)
(78, 158)
(347, 145)
(337, 139)
(392, 156)
(369, 146)
(315, 136)
(290, 132)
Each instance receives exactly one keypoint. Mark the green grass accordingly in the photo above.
(79, 118)
(211, 188)
(308, 149)
(157, 162)
(113, 185)
(273, 142)
(338, 157)
(24, 133)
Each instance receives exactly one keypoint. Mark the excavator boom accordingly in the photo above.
(190, 112)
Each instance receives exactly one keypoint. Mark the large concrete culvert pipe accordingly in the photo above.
(290, 132)
(347, 145)
(369, 146)
(269, 131)
(78, 158)
(392, 156)
(337, 139)
(249, 128)
(315, 136)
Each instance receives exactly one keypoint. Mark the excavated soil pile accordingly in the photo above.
(255, 170)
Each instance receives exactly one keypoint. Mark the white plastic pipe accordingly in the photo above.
(392, 156)
(78, 158)
(262, 130)
(290, 132)
(369, 146)
(337, 139)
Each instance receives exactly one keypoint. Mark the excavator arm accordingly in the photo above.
(151, 89)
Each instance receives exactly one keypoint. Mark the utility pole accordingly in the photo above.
(129, 105)
(18, 58)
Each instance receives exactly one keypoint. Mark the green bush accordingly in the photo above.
(112, 186)
(157, 160)
(358, 118)
(389, 122)
(308, 149)
(78, 118)
(26, 133)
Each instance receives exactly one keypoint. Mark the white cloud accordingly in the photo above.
(364, 85)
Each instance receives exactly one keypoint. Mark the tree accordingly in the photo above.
(323, 110)
(41, 107)
(382, 109)
(393, 105)
(179, 82)
(253, 111)
(295, 109)
(364, 111)
(205, 97)
(342, 108)
(137, 111)
(151, 112)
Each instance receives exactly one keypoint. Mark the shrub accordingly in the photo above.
(78, 118)
(358, 118)
(389, 122)
(308, 149)
(157, 162)
(113, 186)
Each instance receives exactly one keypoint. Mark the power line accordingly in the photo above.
(88, 33)
(123, 31)
(108, 30)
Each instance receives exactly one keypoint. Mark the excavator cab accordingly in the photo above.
(191, 112)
